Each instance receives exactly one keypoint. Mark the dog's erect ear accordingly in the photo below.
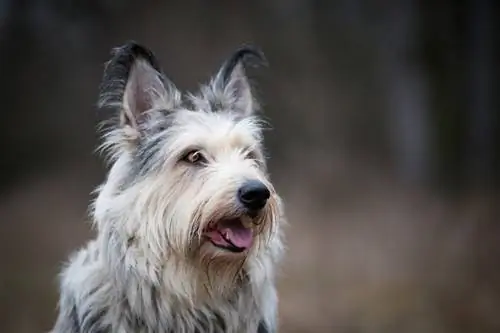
(231, 87)
(134, 84)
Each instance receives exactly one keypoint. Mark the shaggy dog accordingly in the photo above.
(188, 222)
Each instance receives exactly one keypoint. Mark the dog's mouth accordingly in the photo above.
(231, 235)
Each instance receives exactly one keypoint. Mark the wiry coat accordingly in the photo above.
(149, 270)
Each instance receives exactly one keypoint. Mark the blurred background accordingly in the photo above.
(385, 146)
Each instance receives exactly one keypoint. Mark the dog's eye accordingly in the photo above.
(251, 155)
(194, 157)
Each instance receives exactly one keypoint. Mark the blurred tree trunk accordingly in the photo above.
(290, 27)
(406, 90)
(45, 47)
(479, 151)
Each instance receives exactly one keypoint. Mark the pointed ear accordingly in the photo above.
(134, 84)
(231, 88)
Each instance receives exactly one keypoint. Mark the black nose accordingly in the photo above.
(253, 195)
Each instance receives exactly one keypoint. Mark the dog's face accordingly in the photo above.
(188, 169)
(220, 198)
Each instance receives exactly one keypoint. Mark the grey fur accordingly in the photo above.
(149, 269)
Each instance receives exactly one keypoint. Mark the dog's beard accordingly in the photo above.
(228, 228)
(224, 244)
(174, 237)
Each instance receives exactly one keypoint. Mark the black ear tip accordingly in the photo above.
(131, 50)
(128, 45)
(118, 68)
(251, 55)
(247, 55)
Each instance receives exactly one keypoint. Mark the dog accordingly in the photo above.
(189, 226)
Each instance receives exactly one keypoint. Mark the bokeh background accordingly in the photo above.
(385, 146)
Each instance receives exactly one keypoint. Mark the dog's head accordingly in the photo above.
(188, 177)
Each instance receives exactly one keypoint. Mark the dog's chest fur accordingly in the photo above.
(99, 303)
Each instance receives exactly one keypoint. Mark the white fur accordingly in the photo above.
(149, 270)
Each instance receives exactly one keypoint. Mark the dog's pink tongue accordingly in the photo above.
(238, 235)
